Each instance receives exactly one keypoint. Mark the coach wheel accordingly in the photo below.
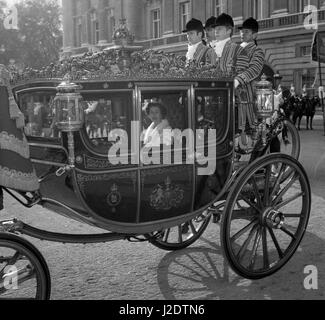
(24, 274)
(182, 236)
(265, 216)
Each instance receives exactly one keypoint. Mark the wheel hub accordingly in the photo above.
(273, 219)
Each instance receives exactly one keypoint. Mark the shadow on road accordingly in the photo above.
(202, 273)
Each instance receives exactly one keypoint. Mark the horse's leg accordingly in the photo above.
(299, 122)
(293, 119)
(311, 122)
(307, 122)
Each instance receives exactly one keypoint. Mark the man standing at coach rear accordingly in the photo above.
(198, 53)
(233, 58)
(210, 31)
(248, 34)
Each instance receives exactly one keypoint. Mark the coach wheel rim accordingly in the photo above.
(22, 267)
(260, 240)
(181, 236)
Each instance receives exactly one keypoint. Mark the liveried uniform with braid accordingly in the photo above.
(234, 58)
(16, 169)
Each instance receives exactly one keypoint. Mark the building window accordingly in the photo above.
(308, 78)
(156, 23)
(185, 15)
(305, 51)
(218, 9)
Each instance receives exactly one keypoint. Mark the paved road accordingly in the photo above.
(122, 270)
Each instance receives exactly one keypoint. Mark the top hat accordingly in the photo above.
(251, 24)
(224, 20)
(194, 24)
(210, 23)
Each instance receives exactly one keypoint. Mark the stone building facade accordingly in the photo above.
(284, 35)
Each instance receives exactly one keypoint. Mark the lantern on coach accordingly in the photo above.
(68, 104)
(264, 98)
(264, 105)
(69, 113)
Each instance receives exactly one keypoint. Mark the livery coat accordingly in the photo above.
(247, 64)
(16, 168)
(253, 72)
(203, 55)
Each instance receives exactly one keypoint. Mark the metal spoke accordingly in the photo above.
(244, 214)
(285, 202)
(267, 186)
(285, 189)
(244, 198)
(180, 238)
(242, 231)
(265, 251)
(255, 247)
(166, 235)
(192, 228)
(11, 261)
(22, 275)
(243, 249)
(292, 215)
(276, 243)
(257, 194)
(289, 233)
(277, 182)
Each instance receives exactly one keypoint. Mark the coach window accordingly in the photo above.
(38, 112)
(105, 112)
(211, 112)
(163, 110)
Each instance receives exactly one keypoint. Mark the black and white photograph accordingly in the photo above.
(167, 151)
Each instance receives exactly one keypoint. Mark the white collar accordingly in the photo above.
(213, 43)
(219, 46)
(191, 51)
(244, 44)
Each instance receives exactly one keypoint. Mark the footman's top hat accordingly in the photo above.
(194, 24)
(251, 24)
(224, 20)
(210, 23)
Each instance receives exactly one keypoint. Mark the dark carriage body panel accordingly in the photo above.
(132, 198)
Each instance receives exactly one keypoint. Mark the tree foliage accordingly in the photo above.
(38, 40)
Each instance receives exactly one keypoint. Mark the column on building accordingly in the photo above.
(279, 7)
(86, 34)
(68, 28)
(133, 11)
(237, 11)
(168, 17)
(103, 22)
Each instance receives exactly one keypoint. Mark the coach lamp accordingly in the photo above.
(69, 114)
(264, 104)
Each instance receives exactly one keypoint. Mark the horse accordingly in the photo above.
(287, 107)
(298, 107)
(311, 110)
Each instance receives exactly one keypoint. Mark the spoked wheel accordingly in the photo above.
(265, 216)
(24, 274)
(289, 140)
(182, 236)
